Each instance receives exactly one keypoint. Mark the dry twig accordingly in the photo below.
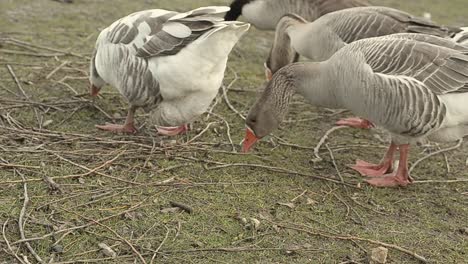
(21, 219)
(161, 244)
(322, 141)
(56, 69)
(460, 142)
(8, 243)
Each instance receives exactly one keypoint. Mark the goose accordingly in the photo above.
(265, 14)
(168, 63)
(414, 86)
(320, 39)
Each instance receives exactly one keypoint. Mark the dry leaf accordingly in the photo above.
(171, 210)
(379, 255)
(47, 122)
(255, 223)
(107, 251)
(310, 201)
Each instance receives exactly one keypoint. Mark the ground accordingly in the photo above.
(275, 205)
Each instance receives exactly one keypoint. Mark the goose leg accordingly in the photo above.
(398, 178)
(128, 127)
(355, 122)
(375, 170)
(172, 131)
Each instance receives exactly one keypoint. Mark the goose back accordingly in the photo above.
(265, 14)
(403, 83)
(322, 38)
(124, 50)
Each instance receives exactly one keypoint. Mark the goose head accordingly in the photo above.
(236, 8)
(95, 81)
(282, 52)
(270, 108)
(265, 116)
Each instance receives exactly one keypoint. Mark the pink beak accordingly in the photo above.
(249, 140)
(94, 90)
(268, 73)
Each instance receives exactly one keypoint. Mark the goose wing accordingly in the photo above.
(364, 22)
(442, 68)
(160, 33)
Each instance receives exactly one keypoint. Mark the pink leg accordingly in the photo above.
(375, 170)
(398, 178)
(172, 131)
(355, 122)
(128, 127)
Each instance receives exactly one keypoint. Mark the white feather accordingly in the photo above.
(177, 30)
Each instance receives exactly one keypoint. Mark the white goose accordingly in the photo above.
(414, 86)
(265, 14)
(169, 63)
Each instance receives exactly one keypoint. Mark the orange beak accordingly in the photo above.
(249, 140)
(94, 90)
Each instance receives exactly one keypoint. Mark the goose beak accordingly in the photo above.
(268, 73)
(249, 140)
(93, 90)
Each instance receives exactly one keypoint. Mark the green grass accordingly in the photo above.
(425, 218)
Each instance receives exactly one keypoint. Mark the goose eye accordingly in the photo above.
(251, 121)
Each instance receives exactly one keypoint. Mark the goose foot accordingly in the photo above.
(400, 177)
(355, 122)
(172, 131)
(377, 170)
(372, 170)
(391, 180)
(127, 128)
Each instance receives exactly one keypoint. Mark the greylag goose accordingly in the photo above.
(320, 39)
(169, 63)
(414, 86)
(265, 14)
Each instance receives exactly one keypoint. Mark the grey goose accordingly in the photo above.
(414, 86)
(320, 39)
